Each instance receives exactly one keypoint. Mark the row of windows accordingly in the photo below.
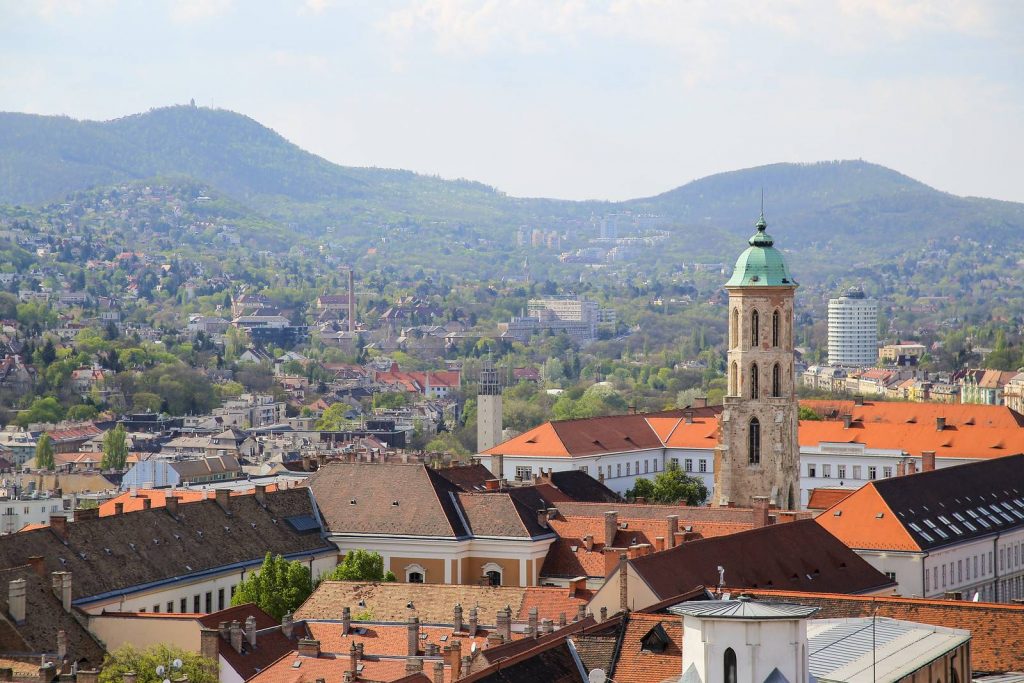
(755, 380)
(198, 601)
(492, 574)
(755, 328)
(42, 508)
(825, 471)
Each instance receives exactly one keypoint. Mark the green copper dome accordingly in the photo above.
(761, 265)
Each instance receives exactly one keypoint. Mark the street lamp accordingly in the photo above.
(164, 672)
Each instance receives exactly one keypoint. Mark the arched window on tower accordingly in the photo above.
(734, 389)
(729, 666)
(775, 328)
(755, 329)
(755, 441)
(755, 387)
(734, 329)
(776, 380)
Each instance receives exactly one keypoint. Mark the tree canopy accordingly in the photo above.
(144, 663)
(670, 487)
(44, 453)
(360, 565)
(115, 449)
(277, 588)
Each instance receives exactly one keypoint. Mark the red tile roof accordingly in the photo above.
(823, 499)
(636, 665)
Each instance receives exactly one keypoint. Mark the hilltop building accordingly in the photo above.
(853, 330)
(758, 453)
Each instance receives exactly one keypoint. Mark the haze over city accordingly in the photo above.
(606, 100)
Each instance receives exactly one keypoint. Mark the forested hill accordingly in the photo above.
(843, 204)
(840, 202)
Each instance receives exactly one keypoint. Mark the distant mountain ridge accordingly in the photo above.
(44, 158)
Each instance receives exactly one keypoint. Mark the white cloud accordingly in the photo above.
(188, 11)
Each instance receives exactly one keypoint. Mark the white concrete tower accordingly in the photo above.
(758, 453)
(488, 410)
(853, 330)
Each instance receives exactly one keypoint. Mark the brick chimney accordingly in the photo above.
(287, 625)
(236, 636)
(119, 508)
(171, 504)
(308, 647)
(611, 526)
(576, 585)
(16, 600)
(455, 659)
(688, 417)
(505, 624)
(413, 664)
(901, 468)
(547, 626)
(659, 543)
(62, 588)
(533, 618)
(62, 646)
(353, 659)
(498, 465)
(147, 503)
(457, 618)
(604, 613)
(927, 461)
(911, 466)
(847, 420)
(581, 612)
(261, 494)
(224, 500)
(87, 676)
(623, 582)
(760, 505)
(209, 645)
(671, 527)
(59, 524)
(346, 621)
(700, 402)
(413, 635)
(492, 484)
(562, 621)
(38, 564)
(473, 621)
(438, 671)
(588, 542)
(250, 631)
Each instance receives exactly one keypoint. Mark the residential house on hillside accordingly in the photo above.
(432, 384)
(984, 386)
(156, 472)
(954, 530)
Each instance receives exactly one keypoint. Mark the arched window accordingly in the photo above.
(729, 666)
(755, 329)
(734, 329)
(734, 389)
(755, 386)
(776, 380)
(755, 441)
(775, 328)
(492, 574)
(414, 573)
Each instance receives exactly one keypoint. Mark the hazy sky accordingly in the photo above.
(563, 98)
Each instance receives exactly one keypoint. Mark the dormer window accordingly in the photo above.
(656, 640)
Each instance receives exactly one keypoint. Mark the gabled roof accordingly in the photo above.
(813, 558)
(107, 555)
(638, 665)
(932, 509)
(824, 498)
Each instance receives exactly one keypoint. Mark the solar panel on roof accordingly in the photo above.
(302, 523)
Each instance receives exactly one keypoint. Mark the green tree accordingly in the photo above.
(360, 565)
(389, 399)
(807, 413)
(144, 664)
(642, 488)
(44, 452)
(333, 419)
(81, 412)
(673, 486)
(44, 409)
(115, 449)
(277, 588)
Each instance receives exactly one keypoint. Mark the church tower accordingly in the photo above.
(758, 452)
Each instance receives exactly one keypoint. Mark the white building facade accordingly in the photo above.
(853, 330)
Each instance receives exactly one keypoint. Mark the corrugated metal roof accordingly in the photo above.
(742, 608)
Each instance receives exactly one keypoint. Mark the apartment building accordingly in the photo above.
(852, 330)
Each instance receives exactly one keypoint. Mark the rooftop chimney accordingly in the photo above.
(927, 461)
(611, 526)
(413, 633)
(532, 620)
(901, 468)
(603, 613)
(118, 508)
(911, 466)
(457, 620)
(623, 587)
(65, 591)
(250, 630)
(438, 671)
(581, 612)
(224, 500)
(287, 625)
(671, 528)
(59, 524)
(576, 585)
(504, 626)
(236, 636)
(760, 505)
(413, 664)
(547, 626)
(562, 621)
(455, 659)
(688, 417)
(492, 484)
(700, 402)
(209, 646)
(847, 420)
(858, 400)
(16, 600)
(473, 621)
(659, 543)
(353, 659)
(346, 621)
(588, 542)
(261, 494)
(62, 646)
(172, 505)
(308, 647)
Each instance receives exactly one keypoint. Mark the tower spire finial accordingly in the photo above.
(761, 223)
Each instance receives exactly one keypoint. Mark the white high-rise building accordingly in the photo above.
(853, 330)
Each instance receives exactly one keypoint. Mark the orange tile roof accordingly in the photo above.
(823, 499)
(541, 440)
(867, 521)
(638, 666)
(158, 498)
(997, 630)
(310, 669)
(677, 433)
(390, 640)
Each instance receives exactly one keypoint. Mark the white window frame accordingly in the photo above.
(415, 569)
(493, 567)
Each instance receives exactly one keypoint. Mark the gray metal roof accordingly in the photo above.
(742, 608)
(865, 649)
